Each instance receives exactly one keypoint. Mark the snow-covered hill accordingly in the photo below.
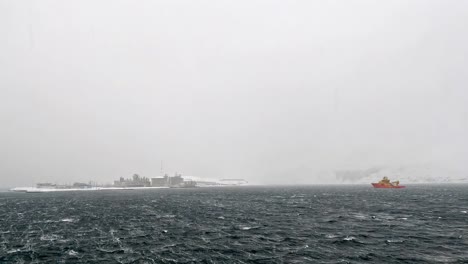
(205, 182)
(405, 174)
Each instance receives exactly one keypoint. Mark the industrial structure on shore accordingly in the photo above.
(175, 181)
(136, 182)
(76, 185)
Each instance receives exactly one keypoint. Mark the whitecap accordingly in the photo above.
(49, 237)
(394, 241)
(246, 228)
(72, 252)
(169, 216)
(463, 212)
(221, 217)
(349, 238)
(360, 216)
(68, 220)
(331, 236)
(127, 250)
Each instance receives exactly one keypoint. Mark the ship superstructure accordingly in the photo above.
(386, 183)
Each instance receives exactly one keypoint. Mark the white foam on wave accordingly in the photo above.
(68, 220)
(72, 252)
(463, 212)
(360, 216)
(49, 237)
(169, 216)
(394, 241)
(349, 238)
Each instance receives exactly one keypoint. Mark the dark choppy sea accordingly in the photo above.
(420, 224)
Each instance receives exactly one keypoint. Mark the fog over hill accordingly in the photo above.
(405, 174)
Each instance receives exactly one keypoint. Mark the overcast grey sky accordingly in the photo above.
(246, 89)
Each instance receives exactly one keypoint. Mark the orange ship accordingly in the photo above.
(385, 183)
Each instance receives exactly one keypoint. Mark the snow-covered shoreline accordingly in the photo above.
(46, 190)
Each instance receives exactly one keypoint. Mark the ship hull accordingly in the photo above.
(383, 186)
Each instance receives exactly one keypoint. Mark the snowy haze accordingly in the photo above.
(268, 91)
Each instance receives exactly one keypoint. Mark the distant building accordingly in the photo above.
(160, 181)
(79, 185)
(190, 184)
(175, 181)
(46, 185)
(135, 181)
